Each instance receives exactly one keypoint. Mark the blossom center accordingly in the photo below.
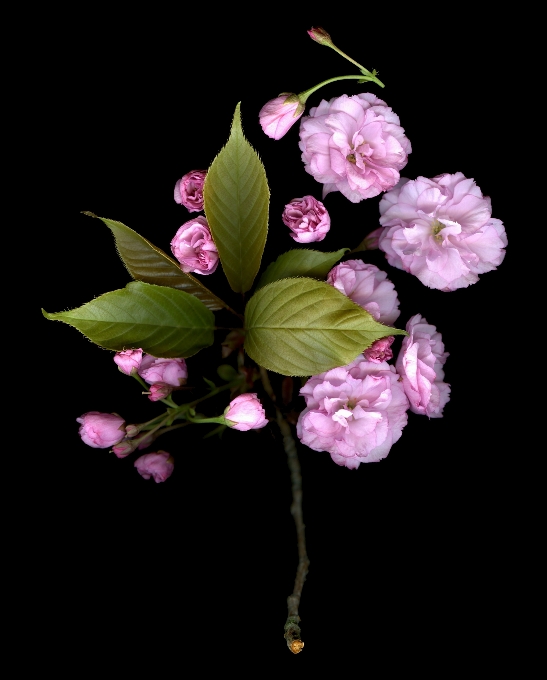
(351, 158)
(436, 228)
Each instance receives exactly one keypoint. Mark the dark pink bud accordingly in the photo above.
(189, 190)
(380, 350)
(159, 391)
(321, 36)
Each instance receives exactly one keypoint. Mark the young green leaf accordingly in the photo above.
(236, 200)
(145, 262)
(301, 262)
(303, 327)
(164, 322)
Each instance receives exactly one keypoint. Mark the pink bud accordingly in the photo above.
(321, 36)
(124, 448)
(172, 372)
(307, 218)
(380, 350)
(129, 360)
(194, 248)
(132, 430)
(278, 115)
(371, 241)
(189, 190)
(246, 413)
(101, 430)
(159, 391)
(158, 465)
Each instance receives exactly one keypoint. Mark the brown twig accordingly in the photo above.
(292, 629)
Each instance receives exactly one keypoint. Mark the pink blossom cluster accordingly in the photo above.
(163, 375)
(441, 230)
(357, 412)
(354, 145)
(307, 218)
(189, 190)
(194, 248)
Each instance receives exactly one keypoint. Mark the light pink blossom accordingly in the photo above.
(129, 360)
(354, 145)
(101, 430)
(420, 363)
(355, 412)
(367, 286)
(173, 372)
(158, 465)
(441, 230)
(189, 190)
(246, 412)
(278, 115)
(307, 218)
(380, 350)
(194, 248)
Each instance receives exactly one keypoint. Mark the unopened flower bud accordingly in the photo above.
(172, 372)
(159, 391)
(129, 360)
(101, 430)
(278, 115)
(321, 36)
(132, 430)
(124, 448)
(245, 412)
(158, 465)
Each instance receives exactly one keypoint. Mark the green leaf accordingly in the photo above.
(301, 262)
(164, 322)
(236, 200)
(303, 327)
(145, 262)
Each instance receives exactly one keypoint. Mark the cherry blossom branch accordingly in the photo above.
(291, 628)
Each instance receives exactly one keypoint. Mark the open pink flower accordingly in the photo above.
(246, 412)
(173, 372)
(441, 230)
(101, 430)
(194, 248)
(189, 190)
(354, 145)
(278, 115)
(158, 465)
(369, 287)
(129, 360)
(420, 364)
(355, 412)
(307, 218)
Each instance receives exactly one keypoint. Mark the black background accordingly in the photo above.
(202, 564)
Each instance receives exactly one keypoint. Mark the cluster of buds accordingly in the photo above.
(110, 430)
